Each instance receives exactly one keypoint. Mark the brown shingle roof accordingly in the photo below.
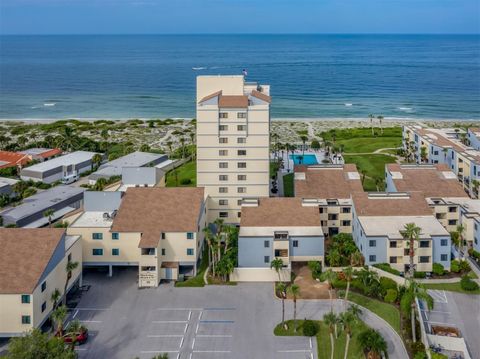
(208, 97)
(233, 101)
(429, 179)
(24, 255)
(261, 96)
(327, 182)
(159, 209)
(280, 212)
(391, 205)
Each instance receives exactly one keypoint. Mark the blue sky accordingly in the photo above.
(238, 16)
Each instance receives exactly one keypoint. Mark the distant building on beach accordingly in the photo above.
(42, 154)
(233, 143)
(12, 159)
(57, 168)
(135, 159)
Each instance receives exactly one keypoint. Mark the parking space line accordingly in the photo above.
(178, 309)
(310, 343)
(216, 321)
(181, 342)
(193, 343)
(213, 336)
(165, 336)
(185, 330)
(200, 316)
(196, 330)
(294, 351)
(75, 314)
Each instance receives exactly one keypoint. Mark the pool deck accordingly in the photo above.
(319, 155)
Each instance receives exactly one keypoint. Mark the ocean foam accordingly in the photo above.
(49, 104)
(199, 68)
(348, 104)
(406, 109)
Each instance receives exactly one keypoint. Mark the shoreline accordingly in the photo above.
(362, 120)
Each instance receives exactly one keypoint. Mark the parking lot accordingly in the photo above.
(193, 323)
(461, 311)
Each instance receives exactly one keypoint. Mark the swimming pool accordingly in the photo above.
(306, 159)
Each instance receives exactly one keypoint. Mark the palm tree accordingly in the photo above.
(49, 214)
(70, 267)
(475, 186)
(364, 174)
(294, 291)
(348, 273)
(58, 318)
(356, 258)
(182, 143)
(378, 183)
(330, 319)
(407, 303)
(355, 310)
(347, 319)
(192, 140)
(96, 160)
(54, 297)
(75, 327)
(277, 264)
(208, 237)
(460, 231)
(304, 140)
(330, 276)
(373, 342)
(380, 119)
(424, 154)
(281, 288)
(371, 117)
(411, 233)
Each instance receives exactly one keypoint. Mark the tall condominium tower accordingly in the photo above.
(233, 143)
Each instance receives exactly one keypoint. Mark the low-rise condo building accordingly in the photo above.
(233, 143)
(31, 212)
(446, 146)
(32, 266)
(285, 228)
(57, 168)
(158, 229)
(135, 159)
(6, 186)
(330, 187)
(437, 183)
(42, 154)
(446, 196)
(379, 218)
(473, 136)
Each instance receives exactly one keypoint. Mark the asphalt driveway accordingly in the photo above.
(210, 322)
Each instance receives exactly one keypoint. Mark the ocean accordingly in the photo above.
(311, 76)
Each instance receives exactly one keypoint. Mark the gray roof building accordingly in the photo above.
(6, 185)
(56, 168)
(29, 214)
(135, 159)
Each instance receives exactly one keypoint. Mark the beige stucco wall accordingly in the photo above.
(127, 244)
(257, 135)
(12, 309)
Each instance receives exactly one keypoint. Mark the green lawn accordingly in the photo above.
(323, 339)
(373, 165)
(187, 171)
(368, 144)
(197, 281)
(388, 312)
(288, 187)
(452, 287)
(348, 133)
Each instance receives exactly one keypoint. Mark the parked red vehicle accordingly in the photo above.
(80, 337)
(76, 331)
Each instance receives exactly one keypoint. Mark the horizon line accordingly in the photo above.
(248, 33)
